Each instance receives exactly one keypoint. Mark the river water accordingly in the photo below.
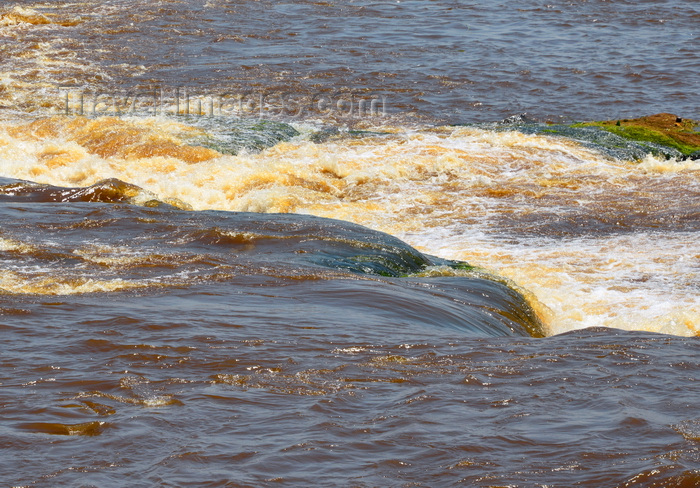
(263, 243)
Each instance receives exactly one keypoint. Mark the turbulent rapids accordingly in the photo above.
(314, 262)
(297, 243)
(526, 202)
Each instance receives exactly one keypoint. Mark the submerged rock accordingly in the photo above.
(328, 133)
(245, 135)
(273, 268)
(111, 190)
(523, 118)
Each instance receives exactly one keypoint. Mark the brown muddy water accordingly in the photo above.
(265, 243)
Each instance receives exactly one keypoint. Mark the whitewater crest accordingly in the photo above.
(553, 215)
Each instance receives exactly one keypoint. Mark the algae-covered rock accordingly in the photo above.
(662, 135)
(659, 133)
(610, 143)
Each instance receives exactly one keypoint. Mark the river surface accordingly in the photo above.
(310, 243)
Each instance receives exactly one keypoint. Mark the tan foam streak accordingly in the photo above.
(19, 15)
(52, 284)
(111, 137)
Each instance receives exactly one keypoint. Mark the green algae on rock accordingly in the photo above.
(662, 135)
(661, 129)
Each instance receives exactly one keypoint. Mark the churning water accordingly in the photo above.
(261, 243)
